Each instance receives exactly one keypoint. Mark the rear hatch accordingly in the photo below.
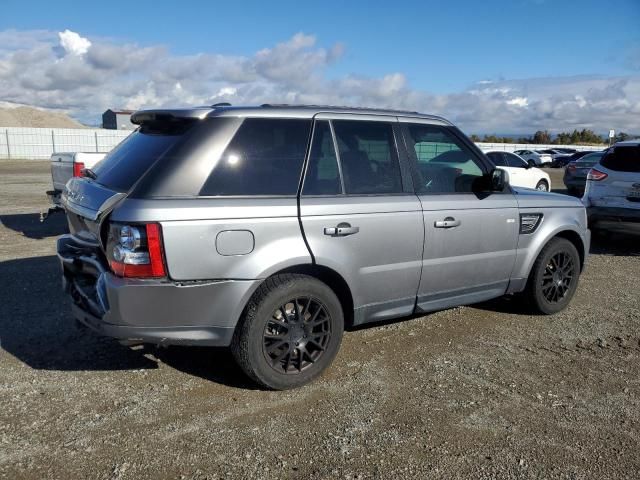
(90, 198)
(621, 187)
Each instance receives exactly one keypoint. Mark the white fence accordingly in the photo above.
(40, 143)
(512, 147)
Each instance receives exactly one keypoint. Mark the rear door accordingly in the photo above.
(360, 215)
(470, 235)
(525, 177)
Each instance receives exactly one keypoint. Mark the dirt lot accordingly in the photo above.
(476, 392)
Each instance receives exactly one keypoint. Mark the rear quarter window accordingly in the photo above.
(622, 159)
(265, 157)
(129, 160)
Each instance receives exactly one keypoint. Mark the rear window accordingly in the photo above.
(128, 161)
(622, 159)
(264, 157)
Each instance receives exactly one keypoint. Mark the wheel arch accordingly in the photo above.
(577, 242)
(329, 277)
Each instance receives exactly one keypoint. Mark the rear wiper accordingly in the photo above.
(87, 172)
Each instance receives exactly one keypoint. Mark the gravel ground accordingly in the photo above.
(474, 392)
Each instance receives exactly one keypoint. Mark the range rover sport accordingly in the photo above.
(269, 229)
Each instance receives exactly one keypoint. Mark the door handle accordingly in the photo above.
(341, 230)
(448, 222)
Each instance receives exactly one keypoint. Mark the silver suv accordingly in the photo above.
(269, 229)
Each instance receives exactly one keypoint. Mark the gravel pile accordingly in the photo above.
(35, 118)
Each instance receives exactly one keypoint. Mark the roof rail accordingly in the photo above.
(340, 107)
(221, 104)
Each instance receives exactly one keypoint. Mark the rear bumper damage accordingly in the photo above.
(145, 310)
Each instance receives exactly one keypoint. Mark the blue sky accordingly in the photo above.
(438, 48)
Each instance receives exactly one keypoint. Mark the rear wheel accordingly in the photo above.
(290, 332)
(543, 186)
(554, 277)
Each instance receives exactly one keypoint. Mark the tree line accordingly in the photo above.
(577, 137)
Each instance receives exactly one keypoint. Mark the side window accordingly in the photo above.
(323, 176)
(445, 164)
(515, 161)
(264, 157)
(497, 158)
(368, 157)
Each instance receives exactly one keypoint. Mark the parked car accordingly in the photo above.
(521, 173)
(268, 229)
(566, 150)
(64, 166)
(557, 156)
(535, 156)
(564, 161)
(575, 175)
(612, 193)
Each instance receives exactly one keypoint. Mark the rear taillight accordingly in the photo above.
(596, 175)
(571, 167)
(77, 169)
(136, 250)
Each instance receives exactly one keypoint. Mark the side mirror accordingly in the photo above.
(531, 163)
(499, 180)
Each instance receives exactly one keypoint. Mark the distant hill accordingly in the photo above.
(12, 115)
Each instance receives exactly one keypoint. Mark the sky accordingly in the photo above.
(511, 66)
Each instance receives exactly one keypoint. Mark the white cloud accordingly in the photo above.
(518, 101)
(85, 77)
(73, 43)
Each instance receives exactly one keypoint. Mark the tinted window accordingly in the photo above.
(497, 158)
(368, 157)
(515, 161)
(264, 157)
(591, 158)
(322, 177)
(622, 159)
(129, 161)
(445, 164)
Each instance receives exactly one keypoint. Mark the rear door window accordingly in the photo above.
(368, 157)
(497, 158)
(265, 157)
(515, 161)
(322, 176)
(622, 159)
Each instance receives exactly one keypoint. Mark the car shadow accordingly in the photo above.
(209, 363)
(37, 328)
(29, 224)
(613, 243)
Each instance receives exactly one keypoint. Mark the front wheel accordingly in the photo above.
(542, 186)
(290, 332)
(554, 277)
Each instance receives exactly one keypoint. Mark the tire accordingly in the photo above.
(542, 186)
(544, 291)
(272, 347)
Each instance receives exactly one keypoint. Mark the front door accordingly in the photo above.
(470, 236)
(359, 215)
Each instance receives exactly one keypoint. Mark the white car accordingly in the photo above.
(612, 192)
(521, 173)
(536, 156)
